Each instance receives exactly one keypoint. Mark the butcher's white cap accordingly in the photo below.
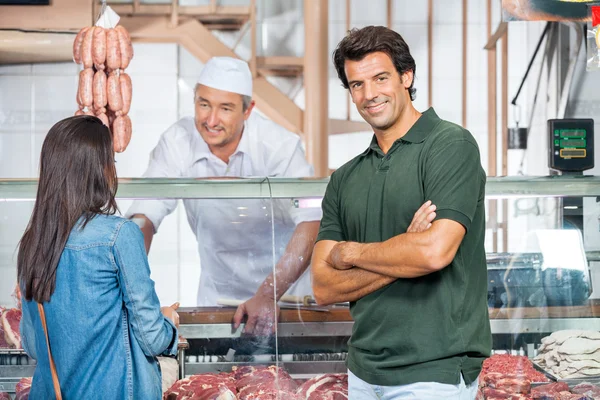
(228, 74)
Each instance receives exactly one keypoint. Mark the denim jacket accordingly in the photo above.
(104, 319)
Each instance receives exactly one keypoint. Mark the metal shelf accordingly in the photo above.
(263, 187)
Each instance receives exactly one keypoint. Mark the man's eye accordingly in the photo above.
(355, 85)
(382, 78)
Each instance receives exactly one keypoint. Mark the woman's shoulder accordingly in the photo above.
(100, 230)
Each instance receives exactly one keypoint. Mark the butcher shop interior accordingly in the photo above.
(235, 257)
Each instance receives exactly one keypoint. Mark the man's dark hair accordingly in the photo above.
(358, 43)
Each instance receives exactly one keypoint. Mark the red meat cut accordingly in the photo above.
(22, 389)
(325, 387)
(268, 383)
(10, 320)
(4, 396)
(3, 343)
(203, 387)
(549, 391)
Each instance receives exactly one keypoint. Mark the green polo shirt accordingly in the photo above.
(431, 328)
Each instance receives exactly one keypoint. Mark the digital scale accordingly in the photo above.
(571, 145)
(570, 152)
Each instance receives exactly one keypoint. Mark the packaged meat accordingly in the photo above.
(121, 133)
(77, 44)
(115, 98)
(126, 92)
(99, 47)
(125, 46)
(86, 48)
(113, 50)
(100, 90)
(4, 396)
(3, 342)
(86, 83)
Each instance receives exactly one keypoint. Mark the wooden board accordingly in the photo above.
(224, 315)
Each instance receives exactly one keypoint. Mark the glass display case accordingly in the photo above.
(543, 256)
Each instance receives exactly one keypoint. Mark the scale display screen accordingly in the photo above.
(571, 144)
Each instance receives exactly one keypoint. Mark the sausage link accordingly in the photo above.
(121, 133)
(100, 92)
(125, 46)
(86, 83)
(99, 47)
(103, 118)
(113, 50)
(126, 91)
(77, 44)
(115, 99)
(86, 48)
(79, 112)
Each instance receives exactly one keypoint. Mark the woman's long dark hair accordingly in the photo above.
(77, 179)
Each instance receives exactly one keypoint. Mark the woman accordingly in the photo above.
(90, 271)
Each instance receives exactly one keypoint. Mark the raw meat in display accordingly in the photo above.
(549, 390)
(203, 387)
(4, 396)
(325, 387)
(258, 383)
(587, 389)
(3, 343)
(570, 354)
(10, 320)
(22, 389)
(515, 366)
(497, 394)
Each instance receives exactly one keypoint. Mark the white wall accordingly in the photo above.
(33, 97)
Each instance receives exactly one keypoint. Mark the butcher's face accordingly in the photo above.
(379, 92)
(219, 118)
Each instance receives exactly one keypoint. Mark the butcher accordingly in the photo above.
(225, 138)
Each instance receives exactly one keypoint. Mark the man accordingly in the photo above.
(235, 236)
(418, 298)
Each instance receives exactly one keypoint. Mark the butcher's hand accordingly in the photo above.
(261, 311)
(170, 313)
(423, 217)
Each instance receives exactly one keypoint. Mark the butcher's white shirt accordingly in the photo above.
(234, 236)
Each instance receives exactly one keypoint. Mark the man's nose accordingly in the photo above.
(213, 118)
(370, 91)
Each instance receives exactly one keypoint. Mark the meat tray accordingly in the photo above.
(594, 379)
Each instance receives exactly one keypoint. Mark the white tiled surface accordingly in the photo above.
(33, 97)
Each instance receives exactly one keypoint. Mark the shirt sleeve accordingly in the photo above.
(454, 179)
(164, 163)
(331, 224)
(156, 334)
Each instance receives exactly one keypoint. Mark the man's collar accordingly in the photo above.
(416, 134)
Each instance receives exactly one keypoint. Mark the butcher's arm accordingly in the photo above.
(294, 261)
(331, 285)
(146, 227)
(260, 309)
(408, 255)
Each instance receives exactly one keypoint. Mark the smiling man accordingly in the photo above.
(418, 299)
(226, 139)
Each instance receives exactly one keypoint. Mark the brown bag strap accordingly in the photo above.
(52, 366)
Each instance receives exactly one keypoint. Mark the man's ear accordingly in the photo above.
(407, 78)
(249, 110)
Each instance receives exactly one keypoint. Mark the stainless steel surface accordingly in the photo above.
(315, 329)
(548, 325)
(8, 384)
(293, 367)
(16, 371)
(291, 329)
(280, 188)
